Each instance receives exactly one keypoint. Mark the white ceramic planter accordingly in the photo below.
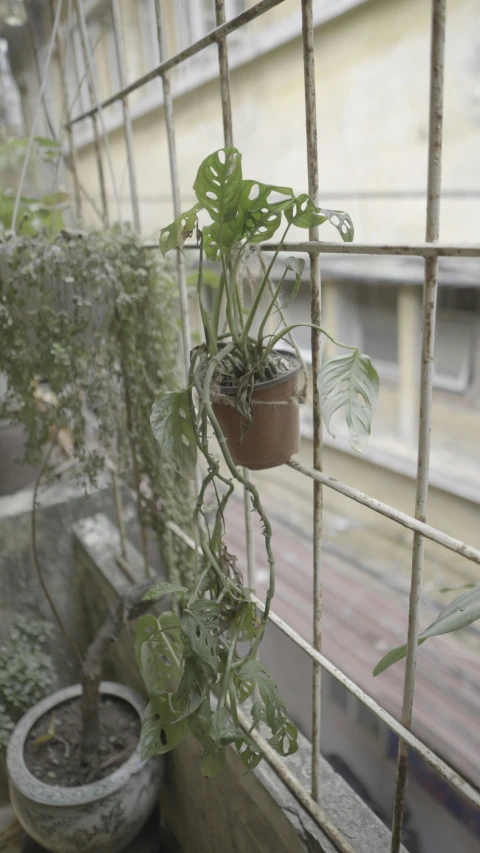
(102, 817)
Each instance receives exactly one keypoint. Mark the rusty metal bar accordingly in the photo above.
(316, 319)
(91, 90)
(175, 183)
(224, 75)
(127, 123)
(426, 386)
(390, 512)
(421, 250)
(167, 64)
(451, 776)
(228, 140)
(72, 155)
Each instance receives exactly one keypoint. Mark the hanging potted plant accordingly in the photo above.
(245, 390)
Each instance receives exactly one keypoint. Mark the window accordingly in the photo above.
(196, 18)
(339, 695)
(105, 62)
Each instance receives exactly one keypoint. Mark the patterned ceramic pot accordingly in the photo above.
(102, 817)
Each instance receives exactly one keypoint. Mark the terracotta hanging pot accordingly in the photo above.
(274, 434)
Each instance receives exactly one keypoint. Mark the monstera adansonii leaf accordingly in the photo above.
(351, 382)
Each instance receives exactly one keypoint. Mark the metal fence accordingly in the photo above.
(430, 250)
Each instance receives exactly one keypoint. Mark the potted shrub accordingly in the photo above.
(95, 316)
(243, 389)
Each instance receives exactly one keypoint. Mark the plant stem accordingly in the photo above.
(228, 666)
(288, 329)
(259, 293)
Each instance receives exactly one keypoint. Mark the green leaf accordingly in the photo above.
(173, 236)
(305, 214)
(159, 652)
(160, 731)
(55, 201)
(42, 142)
(218, 184)
(226, 234)
(245, 679)
(262, 215)
(351, 381)
(245, 622)
(163, 588)
(192, 689)
(200, 627)
(274, 711)
(249, 752)
(174, 430)
(284, 741)
(213, 758)
(462, 611)
(342, 222)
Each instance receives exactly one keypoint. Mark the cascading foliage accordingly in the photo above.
(210, 643)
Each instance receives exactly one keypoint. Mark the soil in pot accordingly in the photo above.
(274, 434)
(56, 759)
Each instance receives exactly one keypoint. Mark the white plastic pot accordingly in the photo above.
(101, 817)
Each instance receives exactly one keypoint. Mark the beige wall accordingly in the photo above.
(372, 88)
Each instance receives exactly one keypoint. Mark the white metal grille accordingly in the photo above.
(430, 250)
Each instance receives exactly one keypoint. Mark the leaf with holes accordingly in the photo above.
(192, 689)
(245, 622)
(174, 430)
(200, 627)
(245, 678)
(173, 236)
(225, 233)
(284, 741)
(351, 381)
(250, 754)
(161, 732)
(218, 184)
(161, 589)
(305, 214)
(159, 652)
(261, 213)
(462, 611)
(275, 708)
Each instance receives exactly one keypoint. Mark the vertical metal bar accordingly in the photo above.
(224, 76)
(228, 140)
(426, 383)
(316, 316)
(72, 156)
(91, 90)
(127, 123)
(172, 154)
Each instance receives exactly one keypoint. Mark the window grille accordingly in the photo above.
(429, 250)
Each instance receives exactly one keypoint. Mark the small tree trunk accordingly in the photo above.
(128, 607)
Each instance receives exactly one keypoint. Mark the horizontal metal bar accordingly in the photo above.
(296, 787)
(434, 760)
(211, 38)
(437, 763)
(390, 512)
(422, 250)
(417, 250)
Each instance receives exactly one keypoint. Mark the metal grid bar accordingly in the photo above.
(316, 319)
(175, 183)
(167, 64)
(390, 512)
(127, 122)
(426, 389)
(430, 250)
(471, 793)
